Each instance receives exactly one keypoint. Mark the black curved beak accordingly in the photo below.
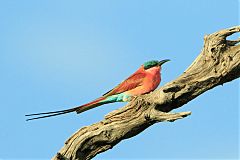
(163, 61)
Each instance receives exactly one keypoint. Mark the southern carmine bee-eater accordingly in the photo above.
(144, 80)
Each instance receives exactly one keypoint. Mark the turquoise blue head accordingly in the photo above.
(154, 63)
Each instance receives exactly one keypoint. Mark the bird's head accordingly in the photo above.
(154, 63)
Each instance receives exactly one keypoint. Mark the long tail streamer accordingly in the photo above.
(50, 114)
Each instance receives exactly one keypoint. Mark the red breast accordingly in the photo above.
(150, 81)
(153, 78)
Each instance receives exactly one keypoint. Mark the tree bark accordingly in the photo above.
(218, 63)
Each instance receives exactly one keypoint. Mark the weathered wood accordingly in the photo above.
(218, 63)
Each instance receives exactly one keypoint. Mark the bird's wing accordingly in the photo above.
(131, 82)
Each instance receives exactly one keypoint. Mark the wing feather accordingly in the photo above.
(131, 82)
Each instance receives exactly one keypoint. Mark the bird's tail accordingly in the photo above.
(79, 109)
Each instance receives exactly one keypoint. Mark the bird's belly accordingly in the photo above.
(147, 86)
(154, 83)
(151, 84)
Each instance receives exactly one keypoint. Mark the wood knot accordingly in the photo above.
(174, 88)
(213, 49)
(230, 58)
(147, 117)
(61, 157)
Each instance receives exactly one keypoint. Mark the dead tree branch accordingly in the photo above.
(218, 63)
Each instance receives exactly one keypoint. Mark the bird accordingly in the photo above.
(145, 80)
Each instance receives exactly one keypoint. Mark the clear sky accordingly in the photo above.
(58, 54)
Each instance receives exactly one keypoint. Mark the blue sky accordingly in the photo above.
(58, 54)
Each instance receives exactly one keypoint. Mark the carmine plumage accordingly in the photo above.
(144, 80)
